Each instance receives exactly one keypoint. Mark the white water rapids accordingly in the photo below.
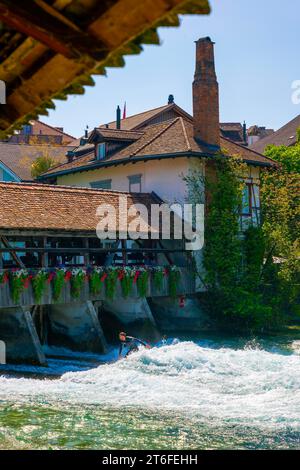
(251, 386)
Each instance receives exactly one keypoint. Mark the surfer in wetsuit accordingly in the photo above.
(131, 343)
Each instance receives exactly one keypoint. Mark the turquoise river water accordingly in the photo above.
(205, 394)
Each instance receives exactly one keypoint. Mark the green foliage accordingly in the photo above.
(174, 279)
(142, 283)
(39, 283)
(126, 283)
(95, 282)
(77, 283)
(58, 283)
(158, 279)
(110, 283)
(281, 213)
(245, 288)
(17, 285)
(41, 165)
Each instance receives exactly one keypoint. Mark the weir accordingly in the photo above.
(74, 319)
(60, 285)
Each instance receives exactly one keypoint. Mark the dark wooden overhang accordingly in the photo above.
(50, 49)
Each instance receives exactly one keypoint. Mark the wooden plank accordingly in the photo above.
(51, 28)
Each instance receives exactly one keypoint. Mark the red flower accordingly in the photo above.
(68, 275)
(103, 277)
(26, 282)
(50, 277)
(136, 276)
(5, 278)
(120, 275)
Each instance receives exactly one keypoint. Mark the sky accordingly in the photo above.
(257, 60)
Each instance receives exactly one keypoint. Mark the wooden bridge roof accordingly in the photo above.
(50, 49)
(41, 207)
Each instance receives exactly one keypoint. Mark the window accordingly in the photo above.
(27, 129)
(104, 184)
(101, 151)
(135, 183)
(250, 199)
(246, 200)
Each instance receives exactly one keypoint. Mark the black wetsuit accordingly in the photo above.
(132, 344)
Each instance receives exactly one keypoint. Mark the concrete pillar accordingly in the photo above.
(170, 317)
(18, 332)
(135, 316)
(2, 353)
(76, 326)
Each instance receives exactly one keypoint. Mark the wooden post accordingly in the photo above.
(124, 253)
(87, 254)
(45, 262)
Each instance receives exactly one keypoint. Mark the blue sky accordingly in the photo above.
(257, 59)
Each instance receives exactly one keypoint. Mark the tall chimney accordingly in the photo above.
(118, 120)
(206, 96)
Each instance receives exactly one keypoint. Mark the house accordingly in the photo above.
(256, 133)
(37, 139)
(16, 159)
(154, 150)
(37, 132)
(287, 135)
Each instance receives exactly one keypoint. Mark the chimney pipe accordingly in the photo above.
(118, 125)
(206, 97)
(245, 136)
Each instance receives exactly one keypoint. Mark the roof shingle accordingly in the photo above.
(25, 206)
(286, 135)
(170, 137)
(19, 157)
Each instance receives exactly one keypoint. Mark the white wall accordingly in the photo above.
(161, 176)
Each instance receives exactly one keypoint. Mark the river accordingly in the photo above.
(215, 393)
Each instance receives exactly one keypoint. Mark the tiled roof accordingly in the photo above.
(170, 137)
(25, 206)
(86, 159)
(133, 122)
(118, 134)
(286, 135)
(47, 129)
(19, 157)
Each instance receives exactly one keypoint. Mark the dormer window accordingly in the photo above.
(101, 151)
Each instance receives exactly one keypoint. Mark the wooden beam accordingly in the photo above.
(45, 24)
(12, 251)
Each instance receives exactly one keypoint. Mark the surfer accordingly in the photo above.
(130, 343)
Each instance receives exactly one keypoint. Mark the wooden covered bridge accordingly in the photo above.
(55, 271)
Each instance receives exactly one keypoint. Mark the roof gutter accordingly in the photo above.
(127, 160)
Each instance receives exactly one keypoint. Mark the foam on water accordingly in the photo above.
(248, 385)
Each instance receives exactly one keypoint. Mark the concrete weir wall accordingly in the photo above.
(170, 317)
(135, 316)
(76, 326)
(18, 332)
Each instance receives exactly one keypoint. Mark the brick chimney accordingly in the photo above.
(206, 96)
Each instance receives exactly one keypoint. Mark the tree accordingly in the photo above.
(251, 277)
(41, 165)
(280, 194)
